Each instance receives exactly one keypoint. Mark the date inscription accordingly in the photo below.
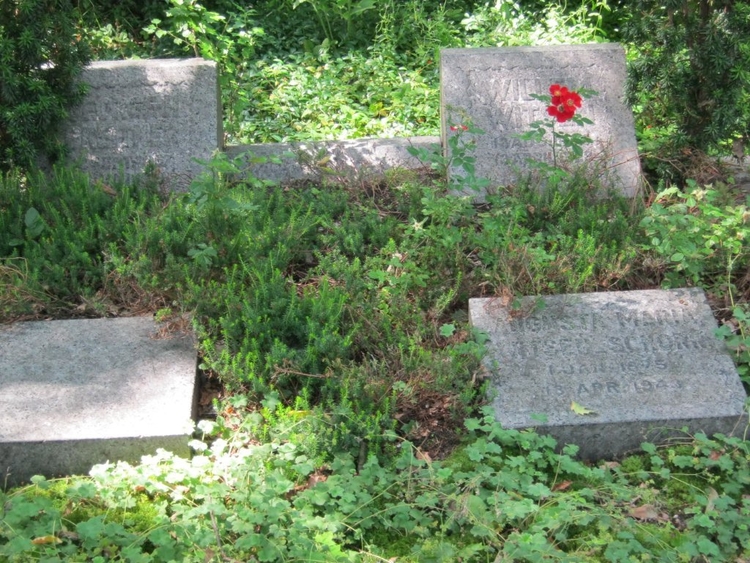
(612, 387)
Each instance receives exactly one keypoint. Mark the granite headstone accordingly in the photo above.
(491, 87)
(643, 363)
(163, 111)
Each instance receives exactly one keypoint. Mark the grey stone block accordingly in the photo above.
(491, 87)
(165, 111)
(76, 393)
(356, 159)
(647, 363)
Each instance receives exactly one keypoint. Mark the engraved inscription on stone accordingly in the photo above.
(165, 111)
(491, 87)
(632, 357)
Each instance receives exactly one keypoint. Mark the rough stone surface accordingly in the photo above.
(76, 393)
(166, 111)
(646, 362)
(490, 87)
(356, 159)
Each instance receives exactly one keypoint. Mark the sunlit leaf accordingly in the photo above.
(581, 410)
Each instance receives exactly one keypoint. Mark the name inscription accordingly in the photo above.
(566, 352)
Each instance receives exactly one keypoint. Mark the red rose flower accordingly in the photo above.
(557, 90)
(564, 103)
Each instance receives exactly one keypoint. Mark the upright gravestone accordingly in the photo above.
(491, 87)
(162, 111)
(608, 371)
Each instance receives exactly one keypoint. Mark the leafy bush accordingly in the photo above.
(506, 24)
(690, 69)
(337, 17)
(191, 29)
(321, 96)
(41, 56)
(700, 235)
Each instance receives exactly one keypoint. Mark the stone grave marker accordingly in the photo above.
(646, 363)
(75, 393)
(490, 87)
(357, 159)
(165, 111)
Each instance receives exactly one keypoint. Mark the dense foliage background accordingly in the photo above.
(325, 69)
(321, 69)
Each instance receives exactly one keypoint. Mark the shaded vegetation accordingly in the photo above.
(41, 57)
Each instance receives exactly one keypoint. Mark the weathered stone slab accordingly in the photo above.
(80, 392)
(491, 87)
(165, 111)
(645, 362)
(346, 160)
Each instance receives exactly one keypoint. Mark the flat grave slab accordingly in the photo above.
(75, 393)
(357, 159)
(164, 111)
(491, 87)
(645, 363)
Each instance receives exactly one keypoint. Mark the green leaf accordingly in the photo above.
(447, 330)
(648, 447)
(543, 418)
(538, 490)
(363, 6)
(707, 547)
(472, 424)
(40, 481)
(34, 223)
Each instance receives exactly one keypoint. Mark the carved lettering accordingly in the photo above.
(558, 388)
(645, 318)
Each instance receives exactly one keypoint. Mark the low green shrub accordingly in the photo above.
(41, 57)
(55, 234)
(700, 231)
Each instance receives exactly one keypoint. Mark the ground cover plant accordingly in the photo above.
(335, 316)
(351, 425)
